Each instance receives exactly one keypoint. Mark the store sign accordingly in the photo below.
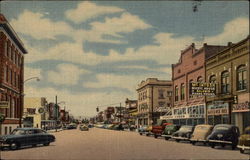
(241, 107)
(203, 89)
(4, 104)
(218, 109)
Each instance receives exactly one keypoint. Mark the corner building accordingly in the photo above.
(11, 76)
(229, 69)
(189, 109)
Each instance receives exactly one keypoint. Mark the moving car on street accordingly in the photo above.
(84, 127)
(26, 136)
(200, 133)
(183, 134)
(244, 140)
(169, 130)
(224, 134)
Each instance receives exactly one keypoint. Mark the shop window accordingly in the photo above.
(241, 78)
(225, 82)
(176, 93)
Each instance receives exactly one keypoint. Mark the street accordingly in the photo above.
(102, 144)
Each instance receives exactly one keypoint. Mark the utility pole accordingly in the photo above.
(120, 113)
(56, 108)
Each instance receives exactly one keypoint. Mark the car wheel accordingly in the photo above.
(46, 144)
(204, 143)
(177, 140)
(14, 146)
(223, 145)
(233, 147)
(155, 136)
(147, 134)
(241, 150)
(212, 145)
(140, 133)
(166, 138)
(193, 143)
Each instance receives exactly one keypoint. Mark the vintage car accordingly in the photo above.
(184, 133)
(224, 134)
(200, 133)
(84, 127)
(118, 127)
(72, 126)
(244, 140)
(169, 130)
(26, 136)
(157, 129)
(147, 130)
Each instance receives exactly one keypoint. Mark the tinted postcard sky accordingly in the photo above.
(96, 53)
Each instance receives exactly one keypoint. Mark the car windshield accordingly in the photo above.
(18, 132)
(170, 127)
(202, 127)
(223, 128)
(186, 128)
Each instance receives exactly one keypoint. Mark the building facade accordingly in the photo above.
(229, 69)
(132, 107)
(190, 109)
(154, 97)
(11, 76)
(34, 111)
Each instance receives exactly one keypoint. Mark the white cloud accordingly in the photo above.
(87, 10)
(234, 31)
(39, 27)
(66, 74)
(31, 72)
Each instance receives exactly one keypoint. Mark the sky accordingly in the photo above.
(95, 53)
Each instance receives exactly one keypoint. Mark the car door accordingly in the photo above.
(31, 137)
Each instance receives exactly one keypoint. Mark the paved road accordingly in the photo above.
(101, 144)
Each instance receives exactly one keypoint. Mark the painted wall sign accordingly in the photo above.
(241, 107)
(204, 89)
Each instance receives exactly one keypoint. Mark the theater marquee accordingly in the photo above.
(203, 89)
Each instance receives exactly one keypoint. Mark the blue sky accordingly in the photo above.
(95, 53)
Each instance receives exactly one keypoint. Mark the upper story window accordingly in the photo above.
(199, 79)
(212, 79)
(225, 83)
(179, 71)
(176, 90)
(241, 77)
(6, 48)
(195, 62)
(182, 91)
(190, 81)
(161, 94)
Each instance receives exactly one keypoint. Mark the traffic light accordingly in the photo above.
(235, 101)
(97, 109)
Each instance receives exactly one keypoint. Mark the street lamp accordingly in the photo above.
(22, 95)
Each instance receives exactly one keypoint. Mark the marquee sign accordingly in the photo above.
(203, 89)
(241, 107)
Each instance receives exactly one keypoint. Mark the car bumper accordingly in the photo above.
(218, 141)
(2, 144)
(198, 140)
(164, 135)
(181, 138)
(244, 147)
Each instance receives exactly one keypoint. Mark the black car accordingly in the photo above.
(224, 134)
(184, 133)
(26, 136)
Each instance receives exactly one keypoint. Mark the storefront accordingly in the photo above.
(241, 115)
(188, 115)
(218, 113)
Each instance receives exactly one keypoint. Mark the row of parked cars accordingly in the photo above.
(112, 126)
(221, 134)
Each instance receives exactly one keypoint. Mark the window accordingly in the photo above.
(225, 82)
(182, 91)
(212, 79)
(6, 48)
(176, 93)
(190, 94)
(195, 62)
(241, 77)
(179, 71)
(199, 79)
(161, 94)
(161, 104)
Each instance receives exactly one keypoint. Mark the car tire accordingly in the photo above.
(166, 138)
(177, 140)
(155, 136)
(14, 146)
(147, 134)
(140, 133)
(212, 145)
(46, 144)
(193, 143)
(241, 150)
(233, 147)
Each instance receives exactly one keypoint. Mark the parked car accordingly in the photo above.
(157, 130)
(118, 127)
(72, 126)
(147, 130)
(244, 140)
(224, 134)
(84, 127)
(26, 136)
(200, 133)
(169, 130)
(184, 133)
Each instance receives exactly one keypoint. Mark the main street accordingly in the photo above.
(102, 144)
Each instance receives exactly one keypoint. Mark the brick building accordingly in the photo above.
(132, 107)
(189, 109)
(11, 75)
(229, 69)
(154, 97)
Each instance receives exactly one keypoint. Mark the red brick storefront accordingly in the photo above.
(11, 75)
